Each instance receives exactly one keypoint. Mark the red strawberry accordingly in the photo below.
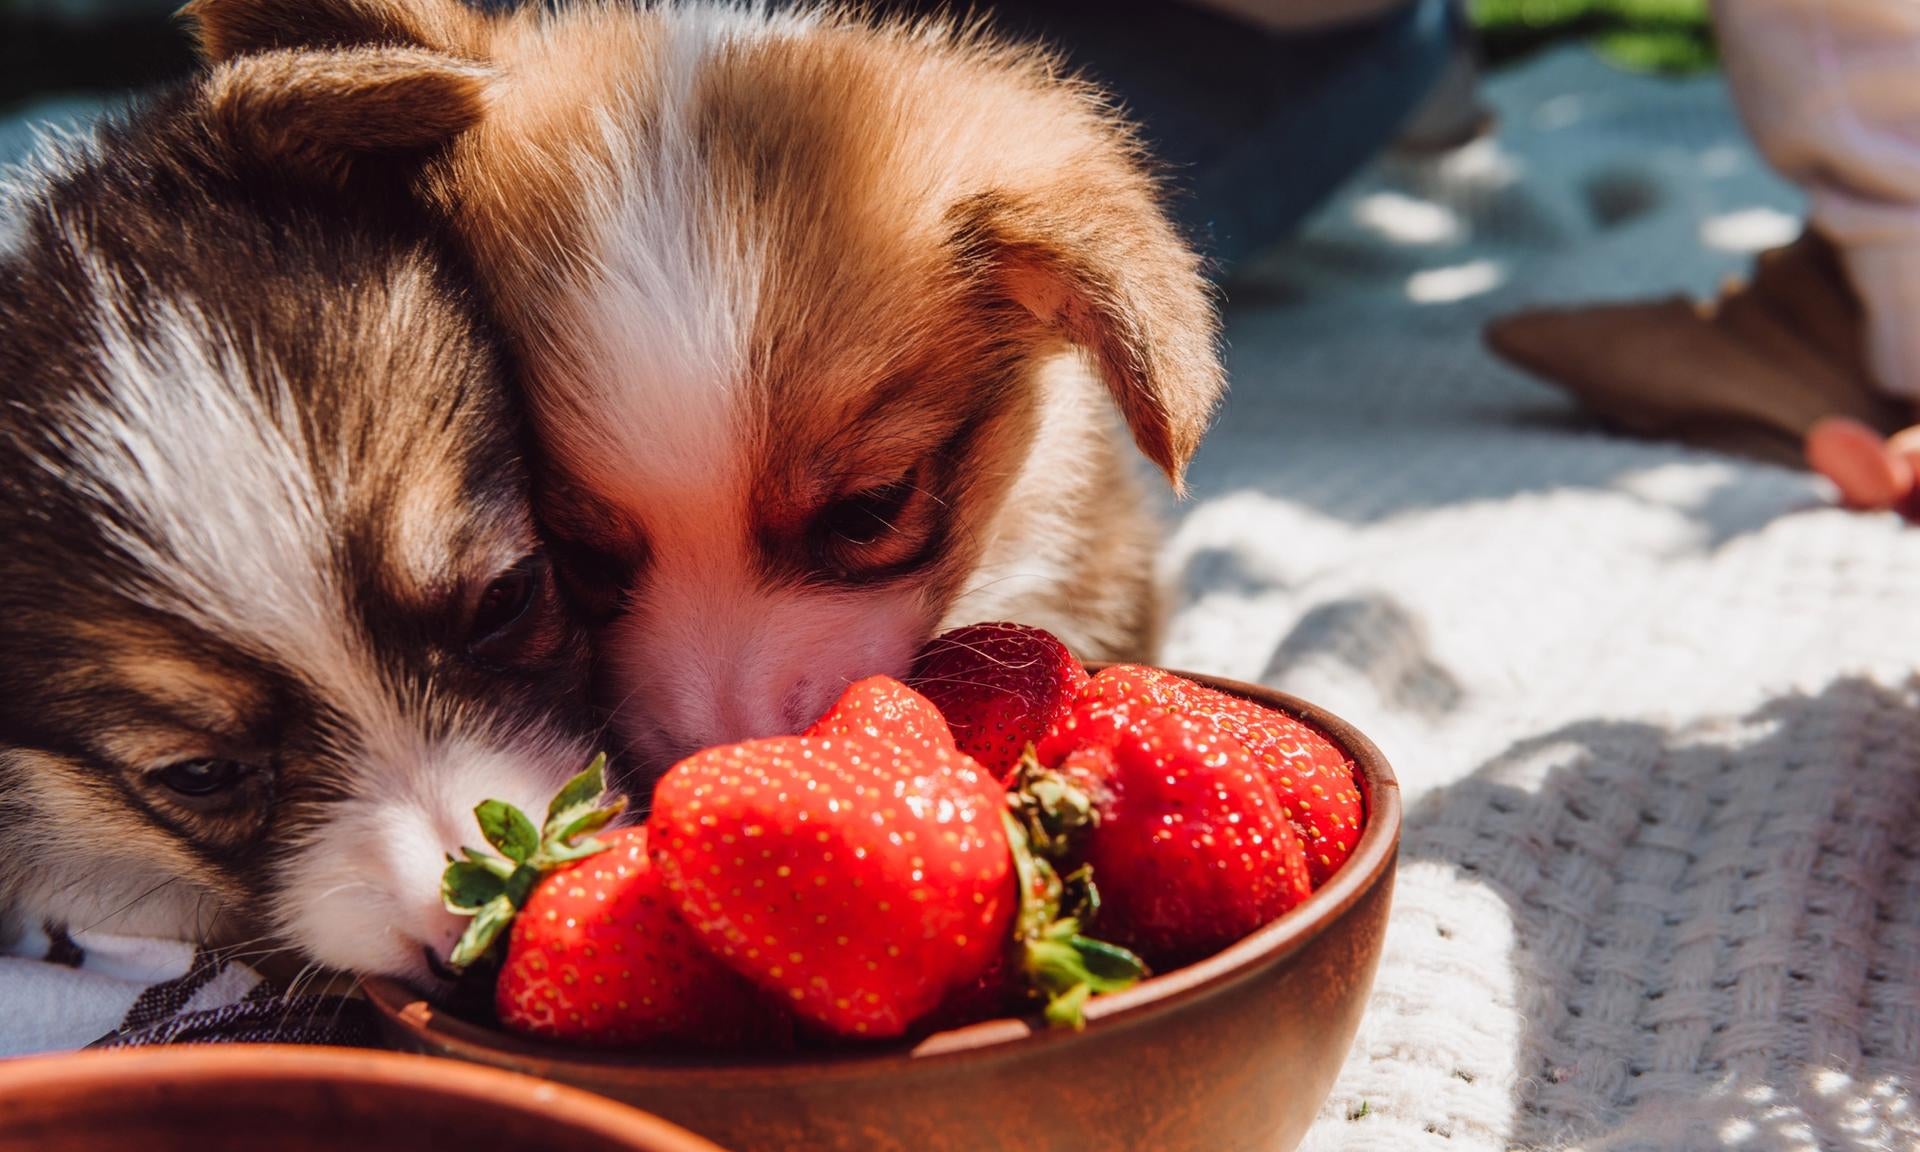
(1313, 779)
(860, 881)
(1000, 686)
(1105, 708)
(596, 955)
(882, 708)
(1190, 850)
(1310, 776)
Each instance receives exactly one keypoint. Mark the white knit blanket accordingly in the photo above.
(1655, 711)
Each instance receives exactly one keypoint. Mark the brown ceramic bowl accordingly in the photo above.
(1233, 1053)
(246, 1097)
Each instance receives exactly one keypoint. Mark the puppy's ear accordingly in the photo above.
(321, 114)
(1092, 256)
(228, 28)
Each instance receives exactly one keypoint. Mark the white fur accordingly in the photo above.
(1042, 504)
(649, 351)
(362, 892)
(710, 654)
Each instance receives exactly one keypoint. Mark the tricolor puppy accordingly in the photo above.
(826, 324)
(273, 613)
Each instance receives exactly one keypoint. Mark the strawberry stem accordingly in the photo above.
(1052, 809)
(492, 890)
(1056, 962)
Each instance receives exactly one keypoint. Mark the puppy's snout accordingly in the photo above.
(805, 699)
(758, 704)
(365, 897)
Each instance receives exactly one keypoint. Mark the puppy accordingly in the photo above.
(273, 612)
(824, 322)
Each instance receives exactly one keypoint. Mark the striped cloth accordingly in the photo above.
(61, 990)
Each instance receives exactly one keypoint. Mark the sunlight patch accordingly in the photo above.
(1456, 282)
(1749, 230)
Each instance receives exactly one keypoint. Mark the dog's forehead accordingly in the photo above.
(719, 263)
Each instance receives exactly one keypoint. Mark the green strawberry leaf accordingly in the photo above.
(481, 935)
(466, 886)
(587, 823)
(557, 854)
(578, 795)
(1109, 967)
(1062, 967)
(520, 885)
(493, 864)
(1068, 1010)
(508, 830)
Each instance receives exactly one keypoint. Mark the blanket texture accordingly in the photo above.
(1654, 709)
(62, 989)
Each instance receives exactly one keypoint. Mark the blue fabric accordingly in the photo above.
(1256, 128)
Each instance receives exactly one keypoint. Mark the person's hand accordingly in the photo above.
(1874, 473)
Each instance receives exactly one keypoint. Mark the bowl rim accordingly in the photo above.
(1371, 862)
(103, 1075)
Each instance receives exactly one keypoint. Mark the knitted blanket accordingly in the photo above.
(1654, 710)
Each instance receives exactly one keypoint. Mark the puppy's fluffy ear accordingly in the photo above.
(229, 28)
(320, 114)
(1091, 255)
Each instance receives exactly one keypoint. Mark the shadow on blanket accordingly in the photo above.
(1717, 928)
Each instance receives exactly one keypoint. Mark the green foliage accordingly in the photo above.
(1666, 36)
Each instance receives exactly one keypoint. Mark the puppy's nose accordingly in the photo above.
(776, 706)
(803, 702)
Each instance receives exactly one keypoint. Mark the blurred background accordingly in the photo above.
(1260, 108)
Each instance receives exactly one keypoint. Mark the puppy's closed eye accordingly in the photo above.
(873, 533)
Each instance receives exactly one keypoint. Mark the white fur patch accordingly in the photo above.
(224, 510)
(362, 893)
(646, 361)
(1042, 505)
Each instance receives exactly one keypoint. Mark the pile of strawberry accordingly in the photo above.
(920, 857)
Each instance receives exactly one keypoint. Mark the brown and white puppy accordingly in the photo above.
(824, 321)
(273, 613)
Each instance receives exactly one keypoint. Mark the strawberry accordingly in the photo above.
(1000, 686)
(598, 956)
(1310, 776)
(861, 880)
(882, 708)
(1189, 846)
(595, 954)
(1104, 709)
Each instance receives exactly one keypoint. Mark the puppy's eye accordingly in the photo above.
(505, 600)
(591, 579)
(506, 613)
(865, 517)
(200, 779)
